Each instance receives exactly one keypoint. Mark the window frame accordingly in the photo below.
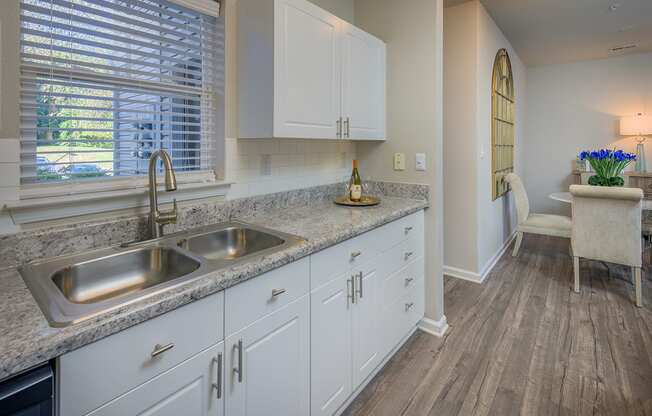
(35, 202)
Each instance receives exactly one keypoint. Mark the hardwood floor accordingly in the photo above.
(523, 343)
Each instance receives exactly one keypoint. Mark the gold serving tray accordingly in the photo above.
(365, 201)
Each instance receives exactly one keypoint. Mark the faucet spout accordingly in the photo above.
(157, 218)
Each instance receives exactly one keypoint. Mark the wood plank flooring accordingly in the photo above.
(523, 343)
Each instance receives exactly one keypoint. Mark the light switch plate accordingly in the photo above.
(399, 161)
(420, 161)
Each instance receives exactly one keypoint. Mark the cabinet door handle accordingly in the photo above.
(238, 369)
(408, 254)
(218, 380)
(408, 229)
(160, 349)
(339, 128)
(408, 280)
(355, 254)
(408, 306)
(347, 124)
(277, 292)
(359, 275)
(350, 290)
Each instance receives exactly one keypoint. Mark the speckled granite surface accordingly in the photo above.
(26, 339)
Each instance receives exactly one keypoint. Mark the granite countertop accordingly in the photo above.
(27, 340)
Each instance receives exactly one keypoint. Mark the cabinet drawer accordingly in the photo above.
(255, 298)
(400, 282)
(399, 256)
(364, 247)
(99, 372)
(410, 227)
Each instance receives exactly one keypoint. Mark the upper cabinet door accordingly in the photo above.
(307, 62)
(363, 84)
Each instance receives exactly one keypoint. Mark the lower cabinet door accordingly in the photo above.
(366, 324)
(189, 389)
(330, 346)
(267, 364)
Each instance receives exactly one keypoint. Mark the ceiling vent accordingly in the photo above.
(623, 48)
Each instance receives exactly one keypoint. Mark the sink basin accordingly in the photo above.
(230, 243)
(73, 288)
(105, 278)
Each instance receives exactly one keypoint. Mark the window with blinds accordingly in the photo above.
(105, 83)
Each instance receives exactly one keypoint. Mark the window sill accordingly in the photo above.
(75, 203)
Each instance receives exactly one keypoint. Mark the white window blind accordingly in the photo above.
(104, 83)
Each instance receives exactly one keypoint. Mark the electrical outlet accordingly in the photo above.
(420, 161)
(399, 161)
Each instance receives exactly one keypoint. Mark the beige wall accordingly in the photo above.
(413, 34)
(572, 107)
(460, 153)
(476, 228)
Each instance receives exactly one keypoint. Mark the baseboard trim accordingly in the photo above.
(462, 274)
(436, 328)
(482, 276)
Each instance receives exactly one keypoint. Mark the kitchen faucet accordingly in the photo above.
(157, 219)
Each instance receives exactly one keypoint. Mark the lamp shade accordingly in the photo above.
(638, 125)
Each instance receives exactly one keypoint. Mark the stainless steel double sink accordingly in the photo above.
(71, 289)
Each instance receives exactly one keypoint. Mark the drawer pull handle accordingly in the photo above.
(408, 254)
(408, 280)
(238, 370)
(408, 306)
(277, 292)
(408, 229)
(355, 254)
(160, 349)
(359, 276)
(218, 384)
(350, 289)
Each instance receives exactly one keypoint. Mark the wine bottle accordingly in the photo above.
(355, 184)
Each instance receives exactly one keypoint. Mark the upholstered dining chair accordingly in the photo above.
(607, 227)
(527, 222)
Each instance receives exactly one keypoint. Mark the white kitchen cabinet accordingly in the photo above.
(363, 84)
(193, 388)
(267, 365)
(345, 336)
(305, 73)
(330, 345)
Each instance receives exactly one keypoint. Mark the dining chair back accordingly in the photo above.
(606, 226)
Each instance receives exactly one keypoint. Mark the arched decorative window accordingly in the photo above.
(502, 123)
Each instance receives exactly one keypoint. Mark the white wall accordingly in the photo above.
(576, 106)
(476, 228)
(413, 34)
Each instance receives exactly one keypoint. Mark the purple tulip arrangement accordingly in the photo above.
(608, 166)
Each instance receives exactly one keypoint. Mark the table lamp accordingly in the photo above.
(639, 126)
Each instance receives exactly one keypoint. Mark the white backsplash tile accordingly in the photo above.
(263, 166)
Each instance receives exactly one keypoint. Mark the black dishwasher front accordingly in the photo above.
(28, 394)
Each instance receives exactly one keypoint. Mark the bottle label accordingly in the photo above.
(356, 192)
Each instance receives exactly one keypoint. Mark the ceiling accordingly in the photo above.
(558, 31)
